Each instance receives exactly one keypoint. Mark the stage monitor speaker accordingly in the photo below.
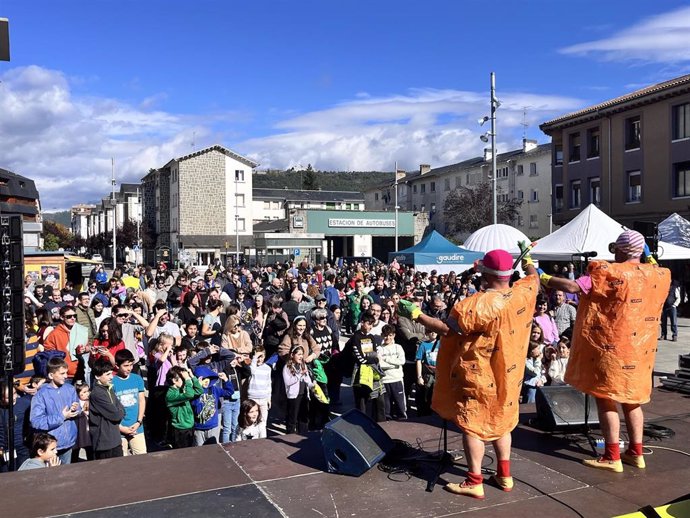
(562, 406)
(353, 443)
(12, 331)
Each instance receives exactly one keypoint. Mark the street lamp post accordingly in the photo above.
(495, 103)
(237, 222)
(114, 203)
(396, 206)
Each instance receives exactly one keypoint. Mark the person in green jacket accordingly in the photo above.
(182, 388)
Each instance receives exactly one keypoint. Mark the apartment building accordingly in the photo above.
(629, 155)
(18, 195)
(274, 204)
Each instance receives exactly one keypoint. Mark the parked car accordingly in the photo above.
(97, 257)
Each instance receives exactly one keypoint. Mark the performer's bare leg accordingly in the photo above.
(634, 421)
(502, 447)
(474, 451)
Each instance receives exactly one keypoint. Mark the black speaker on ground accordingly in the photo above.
(562, 406)
(353, 443)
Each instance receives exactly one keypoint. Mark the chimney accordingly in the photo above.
(400, 175)
(424, 168)
(487, 154)
(528, 145)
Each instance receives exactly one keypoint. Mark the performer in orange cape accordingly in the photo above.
(615, 341)
(481, 363)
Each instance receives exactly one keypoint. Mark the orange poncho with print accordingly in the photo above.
(479, 372)
(616, 330)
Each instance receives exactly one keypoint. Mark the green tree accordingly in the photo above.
(311, 182)
(57, 235)
(50, 242)
(470, 208)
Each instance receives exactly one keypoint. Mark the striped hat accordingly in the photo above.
(498, 263)
(630, 243)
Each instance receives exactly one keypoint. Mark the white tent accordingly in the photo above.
(592, 231)
(675, 230)
(493, 237)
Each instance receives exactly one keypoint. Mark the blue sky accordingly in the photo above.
(352, 85)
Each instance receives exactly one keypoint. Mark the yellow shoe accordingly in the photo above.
(505, 483)
(608, 465)
(475, 491)
(633, 460)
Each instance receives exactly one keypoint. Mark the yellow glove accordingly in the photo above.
(545, 278)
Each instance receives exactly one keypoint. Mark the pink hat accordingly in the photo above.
(498, 263)
(630, 243)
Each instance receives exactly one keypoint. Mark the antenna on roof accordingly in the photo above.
(524, 123)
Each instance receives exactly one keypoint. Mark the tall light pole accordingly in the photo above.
(396, 206)
(495, 103)
(114, 203)
(237, 222)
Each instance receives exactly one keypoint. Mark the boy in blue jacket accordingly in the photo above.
(55, 407)
(206, 406)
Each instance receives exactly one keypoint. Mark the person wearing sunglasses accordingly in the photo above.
(65, 333)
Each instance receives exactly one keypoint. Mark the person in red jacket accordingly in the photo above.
(58, 340)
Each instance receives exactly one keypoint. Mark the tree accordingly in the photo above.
(56, 236)
(469, 208)
(311, 183)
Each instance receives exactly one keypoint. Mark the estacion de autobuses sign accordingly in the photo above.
(361, 223)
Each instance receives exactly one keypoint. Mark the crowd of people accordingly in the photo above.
(147, 359)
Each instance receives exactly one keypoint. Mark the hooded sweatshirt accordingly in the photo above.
(46, 413)
(206, 405)
(105, 415)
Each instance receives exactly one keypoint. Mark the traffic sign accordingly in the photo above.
(297, 252)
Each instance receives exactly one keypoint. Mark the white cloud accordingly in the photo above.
(423, 126)
(663, 38)
(65, 142)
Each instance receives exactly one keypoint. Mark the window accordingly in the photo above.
(681, 121)
(446, 184)
(681, 179)
(575, 194)
(634, 187)
(422, 188)
(414, 188)
(592, 142)
(558, 196)
(240, 200)
(348, 206)
(414, 208)
(467, 179)
(632, 133)
(502, 172)
(521, 195)
(574, 151)
(595, 191)
(533, 169)
(520, 221)
(330, 205)
(458, 181)
(376, 196)
(520, 170)
(355, 206)
(534, 196)
(533, 220)
(558, 154)
(240, 224)
(503, 198)
(239, 175)
(433, 187)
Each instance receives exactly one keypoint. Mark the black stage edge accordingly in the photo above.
(284, 476)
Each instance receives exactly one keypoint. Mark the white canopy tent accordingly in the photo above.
(493, 237)
(592, 231)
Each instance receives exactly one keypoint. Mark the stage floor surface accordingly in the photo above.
(285, 476)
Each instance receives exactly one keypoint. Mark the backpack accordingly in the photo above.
(41, 359)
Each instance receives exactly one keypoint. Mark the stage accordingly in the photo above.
(284, 476)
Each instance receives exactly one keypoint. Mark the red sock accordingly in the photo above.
(612, 451)
(503, 468)
(635, 448)
(474, 478)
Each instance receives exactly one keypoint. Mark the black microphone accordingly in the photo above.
(588, 254)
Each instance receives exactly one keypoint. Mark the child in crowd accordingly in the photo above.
(534, 375)
(391, 360)
(297, 385)
(191, 337)
(182, 389)
(162, 358)
(83, 434)
(43, 453)
(181, 355)
(206, 406)
(105, 413)
(259, 386)
(425, 360)
(55, 407)
(237, 372)
(129, 389)
(559, 361)
(21, 409)
(250, 421)
(161, 361)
